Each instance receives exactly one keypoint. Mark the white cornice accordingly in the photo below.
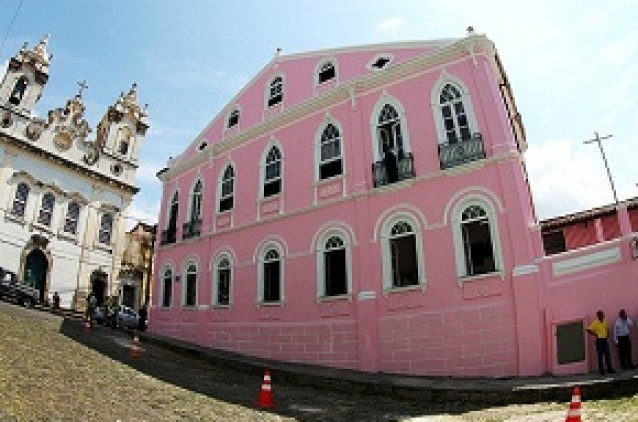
(463, 48)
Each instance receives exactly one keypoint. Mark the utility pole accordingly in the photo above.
(598, 139)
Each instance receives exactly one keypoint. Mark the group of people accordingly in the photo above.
(621, 335)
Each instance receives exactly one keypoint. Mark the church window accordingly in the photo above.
(453, 113)
(227, 189)
(167, 288)
(18, 91)
(72, 218)
(272, 172)
(330, 161)
(106, 228)
(20, 200)
(276, 91)
(46, 209)
(190, 286)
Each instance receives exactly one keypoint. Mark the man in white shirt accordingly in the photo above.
(622, 328)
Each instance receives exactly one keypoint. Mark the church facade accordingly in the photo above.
(65, 193)
(368, 208)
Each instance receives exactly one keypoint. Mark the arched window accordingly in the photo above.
(389, 130)
(46, 209)
(403, 255)
(190, 285)
(330, 161)
(170, 234)
(276, 91)
(272, 172)
(167, 288)
(18, 91)
(478, 248)
(227, 189)
(196, 202)
(454, 115)
(335, 267)
(270, 283)
(222, 277)
(233, 119)
(327, 72)
(20, 200)
(72, 218)
(106, 228)
(124, 136)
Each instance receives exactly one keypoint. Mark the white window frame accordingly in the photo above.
(457, 235)
(263, 170)
(185, 273)
(46, 211)
(228, 257)
(196, 201)
(68, 220)
(220, 191)
(101, 230)
(466, 100)
(319, 67)
(374, 125)
(320, 250)
(318, 144)
(386, 253)
(162, 304)
(261, 260)
(23, 201)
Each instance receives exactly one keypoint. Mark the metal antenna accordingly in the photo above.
(598, 139)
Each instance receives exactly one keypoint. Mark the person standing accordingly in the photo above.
(622, 328)
(598, 329)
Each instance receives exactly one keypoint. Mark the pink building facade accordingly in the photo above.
(368, 208)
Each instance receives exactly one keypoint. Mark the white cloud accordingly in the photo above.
(142, 212)
(391, 26)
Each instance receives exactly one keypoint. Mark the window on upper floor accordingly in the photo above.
(170, 234)
(17, 94)
(72, 218)
(222, 281)
(380, 61)
(276, 91)
(20, 199)
(196, 202)
(554, 242)
(327, 72)
(46, 209)
(454, 115)
(106, 228)
(167, 287)
(124, 139)
(227, 189)
(190, 285)
(330, 160)
(233, 119)
(272, 172)
(478, 248)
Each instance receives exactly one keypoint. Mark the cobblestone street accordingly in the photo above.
(52, 370)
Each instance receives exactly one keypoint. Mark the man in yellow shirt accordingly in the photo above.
(598, 329)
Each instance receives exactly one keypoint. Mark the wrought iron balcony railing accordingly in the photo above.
(168, 236)
(405, 170)
(191, 229)
(461, 152)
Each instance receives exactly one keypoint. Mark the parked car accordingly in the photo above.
(122, 316)
(12, 289)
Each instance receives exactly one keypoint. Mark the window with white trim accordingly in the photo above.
(46, 209)
(272, 172)
(106, 228)
(270, 283)
(335, 267)
(17, 94)
(327, 72)
(478, 247)
(167, 287)
(403, 255)
(389, 130)
(227, 189)
(190, 285)
(223, 278)
(453, 112)
(196, 202)
(330, 158)
(20, 199)
(233, 119)
(172, 215)
(72, 218)
(276, 91)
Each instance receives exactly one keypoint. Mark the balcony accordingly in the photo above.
(191, 229)
(405, 170)
(168, 236)
(461, 152)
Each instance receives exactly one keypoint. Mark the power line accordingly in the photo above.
(6, 35)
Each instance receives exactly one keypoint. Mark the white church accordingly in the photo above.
(65, 190)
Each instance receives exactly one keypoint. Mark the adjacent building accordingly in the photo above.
(368, 208)
(65, 192)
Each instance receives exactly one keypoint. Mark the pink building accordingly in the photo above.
(368, 208)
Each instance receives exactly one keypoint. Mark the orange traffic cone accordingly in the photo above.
(573, 414)
(135, 347)
(265, 399)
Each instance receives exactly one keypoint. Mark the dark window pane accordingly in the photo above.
(223, 289)
(330, 169)
(404, 261)
(271, 282)
(479, 254)
(272, 188)
(226, 204)
(335, 272)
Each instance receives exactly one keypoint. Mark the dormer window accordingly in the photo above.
(233, 119)
(327, 72)
(380, 61)
(18, 91)
(202, 146)
(276, 91)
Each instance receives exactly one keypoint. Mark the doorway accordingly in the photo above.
(35, 271)
(98, 286)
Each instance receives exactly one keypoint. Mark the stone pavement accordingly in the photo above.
(496, 391)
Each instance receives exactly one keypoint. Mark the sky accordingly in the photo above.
(572, 64)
